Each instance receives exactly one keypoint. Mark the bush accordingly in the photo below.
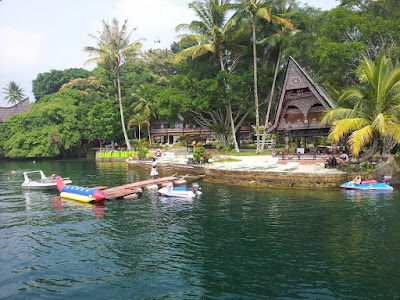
(366, 166)
(200, 155)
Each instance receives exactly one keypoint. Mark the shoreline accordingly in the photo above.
(251, 171)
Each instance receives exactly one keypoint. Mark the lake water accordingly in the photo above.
(232, 243)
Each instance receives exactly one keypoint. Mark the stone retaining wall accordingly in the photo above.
(258, 178)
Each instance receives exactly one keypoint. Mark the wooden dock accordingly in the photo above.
(132, 188)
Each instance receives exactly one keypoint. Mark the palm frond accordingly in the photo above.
(361, 138)
(345, 127)
(393, 130)
(335, 114)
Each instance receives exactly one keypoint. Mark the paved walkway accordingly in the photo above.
(258, 163)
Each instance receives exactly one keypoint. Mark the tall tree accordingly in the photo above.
(143, 105)
(369, 113)
(50, 82)
(113, 49)
(14, 93)
(210, 35)
(277, 40)
(258, 9)
(138, 120)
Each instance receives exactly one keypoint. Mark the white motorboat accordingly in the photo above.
(42, 183)
(180, 191)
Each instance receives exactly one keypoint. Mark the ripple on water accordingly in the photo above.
(233, 242)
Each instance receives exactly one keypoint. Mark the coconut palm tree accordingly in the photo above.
(369, 113)
(143, 105)
(277, 40)
(210, 36)
(13, 93)
(138, 120)
(113, 49)
(258, 9)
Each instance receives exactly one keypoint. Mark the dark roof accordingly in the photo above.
(21, 107)
(293, 69)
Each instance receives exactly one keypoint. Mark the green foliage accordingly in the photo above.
(370, 111)
(142, 147)
(199, 154)
(366, 167)
(104, 122)
(14, 93)
(49, 129)
(50, 82)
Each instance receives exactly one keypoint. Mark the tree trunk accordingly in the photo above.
(148, 126)
(388, 144)
(128, 144)
(222, 138)
(229, 110)
(370, 152)
(255, 83)
(270, 99)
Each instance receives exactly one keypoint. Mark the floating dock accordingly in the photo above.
(132, 188)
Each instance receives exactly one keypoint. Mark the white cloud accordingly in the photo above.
(152, 19)
(20, 48)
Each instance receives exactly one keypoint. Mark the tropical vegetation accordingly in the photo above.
(223, 72)
(14, 93)
(369, 113)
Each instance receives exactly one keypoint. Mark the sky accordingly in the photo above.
(37, 36)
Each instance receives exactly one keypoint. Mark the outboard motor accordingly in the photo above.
(387, 179)
(195, 188)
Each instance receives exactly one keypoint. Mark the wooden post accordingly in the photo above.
(334, 148)
(287, 143)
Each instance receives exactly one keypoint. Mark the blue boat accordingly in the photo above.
(368, 185)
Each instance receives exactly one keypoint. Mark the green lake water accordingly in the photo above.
(232, 243)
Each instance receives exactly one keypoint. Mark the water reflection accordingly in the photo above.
(32, 197)
(61, 203)
(358, 195)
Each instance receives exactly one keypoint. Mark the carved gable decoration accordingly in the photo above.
(301, 103)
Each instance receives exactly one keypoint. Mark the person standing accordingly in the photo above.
(154, 169)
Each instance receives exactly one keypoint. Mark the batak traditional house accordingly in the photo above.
(21, 107)
(300, 109)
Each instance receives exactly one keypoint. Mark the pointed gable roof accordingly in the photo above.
(296, 78)
(21, 107)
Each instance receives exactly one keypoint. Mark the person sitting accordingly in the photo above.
(54, 177)
(357, 180)
(330, 162)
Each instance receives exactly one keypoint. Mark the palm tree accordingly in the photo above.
(13, 93)
(277, 40)
(113, 49)
(210, 35)
(370, 113)
(138, 120)
(258, 9)
(143, 105)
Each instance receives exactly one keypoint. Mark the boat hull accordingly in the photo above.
(37, 185)
(378, 186)
(178, 192)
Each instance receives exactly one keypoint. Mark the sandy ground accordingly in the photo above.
(257, 163)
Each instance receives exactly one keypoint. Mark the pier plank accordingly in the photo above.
(130, 188)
